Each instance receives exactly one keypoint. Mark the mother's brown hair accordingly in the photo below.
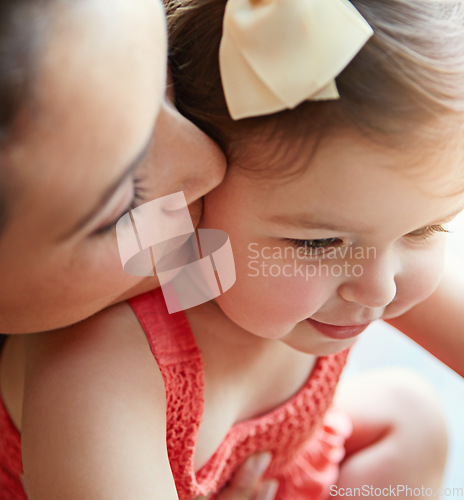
(21, 23)
(21, 34)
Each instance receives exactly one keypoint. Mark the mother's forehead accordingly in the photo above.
(97, 92)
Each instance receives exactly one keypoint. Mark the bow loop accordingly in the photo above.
(275, 54)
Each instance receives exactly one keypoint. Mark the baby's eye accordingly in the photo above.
(426, 232)
(315, 248)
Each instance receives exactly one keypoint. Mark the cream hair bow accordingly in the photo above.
(275, 54)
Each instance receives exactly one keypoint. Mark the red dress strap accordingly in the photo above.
(180, 361)
(11, 464)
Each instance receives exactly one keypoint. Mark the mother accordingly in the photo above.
(86, 130)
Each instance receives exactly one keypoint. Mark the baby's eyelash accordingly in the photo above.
(137, 198)
(426, 232)
(315, 248)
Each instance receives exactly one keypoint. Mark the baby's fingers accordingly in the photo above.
(245, 481)
(268, 490)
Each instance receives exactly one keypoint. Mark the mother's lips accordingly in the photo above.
(336, 331)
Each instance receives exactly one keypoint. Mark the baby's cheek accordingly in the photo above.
(270, 301)
(304, 295)
(289, 294)
(422, 276)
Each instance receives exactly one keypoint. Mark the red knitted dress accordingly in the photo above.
(304, 435)
(305, 439)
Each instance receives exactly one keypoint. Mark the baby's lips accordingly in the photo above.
(192, 267)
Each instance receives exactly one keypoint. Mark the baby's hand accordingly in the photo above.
(244, 483)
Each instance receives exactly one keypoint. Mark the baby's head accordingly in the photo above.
(409, 74)
(335, 208)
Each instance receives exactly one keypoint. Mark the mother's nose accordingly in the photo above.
(193, 162)
(375, 286)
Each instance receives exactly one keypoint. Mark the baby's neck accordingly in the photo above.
(238, 351)
(211, 326)
(252, 374)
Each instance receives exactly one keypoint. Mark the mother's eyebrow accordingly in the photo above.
(110, 190)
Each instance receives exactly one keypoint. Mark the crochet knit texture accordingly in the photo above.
(304, 435)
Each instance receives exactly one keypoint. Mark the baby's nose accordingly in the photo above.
(375, 286)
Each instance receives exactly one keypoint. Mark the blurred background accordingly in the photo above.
(383, 346)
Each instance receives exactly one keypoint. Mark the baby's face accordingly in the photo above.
(351, 240)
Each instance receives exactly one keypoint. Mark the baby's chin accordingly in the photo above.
(322, 348)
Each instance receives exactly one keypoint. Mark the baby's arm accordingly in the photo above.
(94, 414)
(437, 324)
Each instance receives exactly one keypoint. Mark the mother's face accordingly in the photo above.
(99, 125)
